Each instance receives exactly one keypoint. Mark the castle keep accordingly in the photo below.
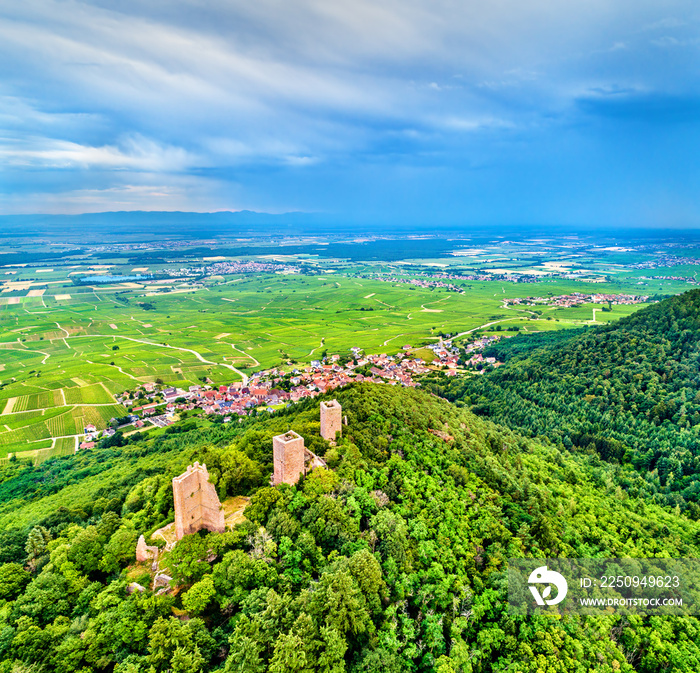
(288, 458)
(197, 505)
(331, 420)
(292, 459)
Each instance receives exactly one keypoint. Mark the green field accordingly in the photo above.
(22, 433)
(67, 350)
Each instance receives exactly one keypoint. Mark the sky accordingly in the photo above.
(583, 113)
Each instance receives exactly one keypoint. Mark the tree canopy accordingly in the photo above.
(392, 561)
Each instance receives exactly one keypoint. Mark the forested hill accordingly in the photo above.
(629, 391)
(392, 560)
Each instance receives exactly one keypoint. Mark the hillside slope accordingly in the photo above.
(393, 560)
(629, 391)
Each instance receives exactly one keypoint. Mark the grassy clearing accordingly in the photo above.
(424, 354)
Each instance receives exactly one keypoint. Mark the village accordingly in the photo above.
(576, 299)
(665, 260)
(437, 280)
(416, 282)
(158, 405)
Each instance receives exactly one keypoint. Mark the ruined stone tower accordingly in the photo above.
(288, 455)
(144, 553)
(331, 420)
(197, 505)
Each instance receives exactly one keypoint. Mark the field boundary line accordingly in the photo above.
(104, 387)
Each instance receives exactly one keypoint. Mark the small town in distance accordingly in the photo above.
(155, 405)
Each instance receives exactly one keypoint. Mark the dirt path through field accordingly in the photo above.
(488, 324)
(125, 373)
(66, 334)
(521, 310)
(392, 338)
(311, 352)
(157, 345)
(255, 362)
(24, 350)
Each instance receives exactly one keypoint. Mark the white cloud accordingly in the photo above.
(473, 124)
(133, 192)
(134, 153)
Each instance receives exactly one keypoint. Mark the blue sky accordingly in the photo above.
(584, 112)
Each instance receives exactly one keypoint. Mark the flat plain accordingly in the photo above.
(68, 348)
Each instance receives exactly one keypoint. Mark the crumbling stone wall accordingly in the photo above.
(144, 553)
(197, 505)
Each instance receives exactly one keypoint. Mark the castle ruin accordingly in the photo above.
(288, 457)
(144, 553)
(197, 505)
(292, 459)
(331, 420)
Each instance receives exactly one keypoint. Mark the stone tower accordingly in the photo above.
(288, 455)
(331, 420)
(197, 505)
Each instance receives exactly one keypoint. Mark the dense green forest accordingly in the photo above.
(628, 392)
(391, 560)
